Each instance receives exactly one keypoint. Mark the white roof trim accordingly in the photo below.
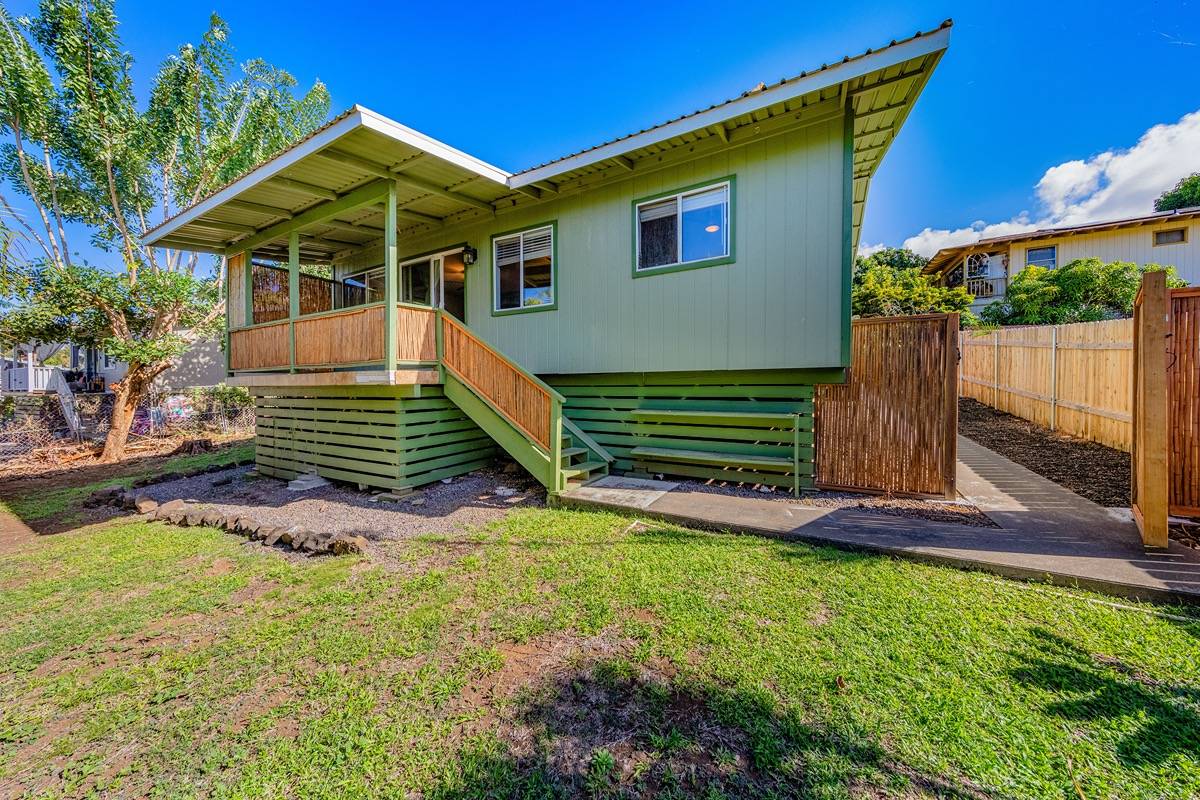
(358, 118)
(880, 59)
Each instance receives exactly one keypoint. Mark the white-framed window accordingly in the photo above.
(691, 227)
(523, 270)
(1042, 256)
(1170, 236)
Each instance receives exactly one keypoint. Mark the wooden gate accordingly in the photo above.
(1166, 406)
(892, 427)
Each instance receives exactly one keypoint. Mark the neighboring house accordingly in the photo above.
(1170, 238)
(202, 365)
(662, 303)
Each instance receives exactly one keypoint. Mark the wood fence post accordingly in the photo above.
(996, 369)
(1151, 410)
(1053, 377)
(950, 456)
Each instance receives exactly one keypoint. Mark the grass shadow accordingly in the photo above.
(610, 727)
(1101, 688)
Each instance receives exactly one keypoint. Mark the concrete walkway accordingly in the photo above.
(1046, 532)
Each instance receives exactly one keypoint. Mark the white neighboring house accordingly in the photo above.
(1170, 238)
(24, 369)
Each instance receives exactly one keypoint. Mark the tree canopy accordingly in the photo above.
(1186, 194)
(1085, 290)
(82, 152)
(889, 283)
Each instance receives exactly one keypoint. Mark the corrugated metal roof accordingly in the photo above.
(358, 146)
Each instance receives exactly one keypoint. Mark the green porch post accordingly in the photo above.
(293, 292)
(390, 276)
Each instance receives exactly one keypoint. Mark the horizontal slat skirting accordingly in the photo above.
(715, 415)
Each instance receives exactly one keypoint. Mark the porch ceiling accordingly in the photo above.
(434, 181)
(440, 185)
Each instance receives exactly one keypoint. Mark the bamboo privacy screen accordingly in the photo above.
(1183, 382)
(892, 426)
(1071, 378)
(271, 293)
(520, 398)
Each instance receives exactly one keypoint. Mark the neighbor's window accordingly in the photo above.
(685, 228)
(523, 269)
(1172, 236)
(1041, 257)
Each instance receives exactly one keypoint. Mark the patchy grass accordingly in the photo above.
(561, 653)
(61, 499)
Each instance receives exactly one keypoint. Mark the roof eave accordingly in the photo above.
(840, 73)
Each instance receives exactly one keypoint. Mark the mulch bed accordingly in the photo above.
(1091, 470)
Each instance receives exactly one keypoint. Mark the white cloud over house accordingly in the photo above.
(1110, 185)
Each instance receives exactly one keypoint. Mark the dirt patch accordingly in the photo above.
(221, 566)
(442, 508)
(1091, 470)
(957, 512)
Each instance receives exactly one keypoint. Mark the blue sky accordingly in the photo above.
(1069, 87)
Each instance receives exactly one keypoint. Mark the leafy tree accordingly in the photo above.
(889, 283)
(82, 152)
(1186, 194)
(1085, 290)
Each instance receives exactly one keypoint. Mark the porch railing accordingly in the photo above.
(26, 378)
(350, 337)
(986, 287)
(517, 395)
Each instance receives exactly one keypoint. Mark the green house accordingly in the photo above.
(663, 303)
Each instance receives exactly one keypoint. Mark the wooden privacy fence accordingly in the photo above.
(1075, 378)
(892, 427)
(1166, 406)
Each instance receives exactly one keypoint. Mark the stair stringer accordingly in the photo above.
(533, 458)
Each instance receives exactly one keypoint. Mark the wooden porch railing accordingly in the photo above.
(338, 338)
(522, 399)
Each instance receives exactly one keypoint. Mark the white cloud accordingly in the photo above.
(1111, 185)
(865, 250)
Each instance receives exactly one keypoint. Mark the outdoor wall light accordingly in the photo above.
(468, 255)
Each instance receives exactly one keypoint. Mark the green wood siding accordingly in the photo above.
(779, 305)
(362, 436)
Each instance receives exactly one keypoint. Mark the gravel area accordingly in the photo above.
(958, 511)
(466, 501)
(1091, 470)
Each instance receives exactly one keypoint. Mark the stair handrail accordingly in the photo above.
(66, 399)
(551, 444)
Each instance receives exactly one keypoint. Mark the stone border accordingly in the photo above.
(189, 515)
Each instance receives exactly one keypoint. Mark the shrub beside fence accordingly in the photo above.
(1076, 379)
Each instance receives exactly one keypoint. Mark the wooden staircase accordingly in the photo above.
(520, 412)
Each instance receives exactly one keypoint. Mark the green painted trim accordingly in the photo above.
(796, 456)
(391, 275)
(588, 442)
(701, 378)
(847, 228)
(414, 256)
(363, 195)
(552, 306)
(688, 265)
(293, 294)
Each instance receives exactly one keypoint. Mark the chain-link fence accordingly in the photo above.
(34, 422)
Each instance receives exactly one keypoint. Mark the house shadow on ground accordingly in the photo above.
(597, 724)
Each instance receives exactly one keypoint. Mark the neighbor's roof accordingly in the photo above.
(441, 184)
(947, 256)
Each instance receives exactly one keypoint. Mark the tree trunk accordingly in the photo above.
(129, 392)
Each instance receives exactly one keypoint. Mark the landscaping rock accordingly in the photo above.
(273, 538)
(194, 519)
(231, 524)
(177, 518)
(417, 501)
(144, 504)
(128, 500)
(504, 491)
(344, 543)
(263, 532)
(171, 506)
(306, 482)
(212, 519)
(299, 535)
(246, 526)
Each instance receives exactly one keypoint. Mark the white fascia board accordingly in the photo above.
(839, 73)
(359, 117)
(267, 170)
(427, 144)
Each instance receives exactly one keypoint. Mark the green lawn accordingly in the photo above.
(563, 653)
